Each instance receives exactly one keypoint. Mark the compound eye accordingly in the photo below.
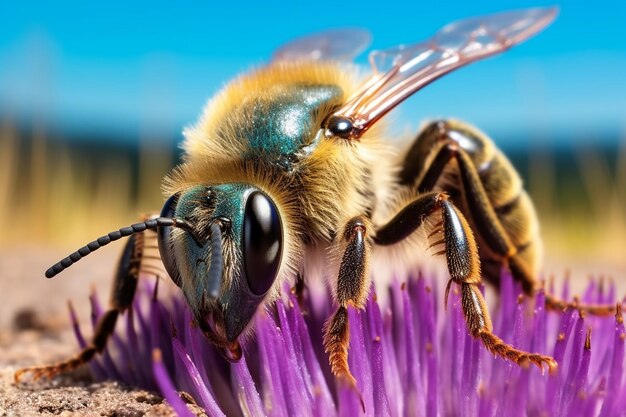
(164, 239)
(262, 242)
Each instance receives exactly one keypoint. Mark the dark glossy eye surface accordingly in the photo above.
(340, 127)
(166, 249)
(262, 242)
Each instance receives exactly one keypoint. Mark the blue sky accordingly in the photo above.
(148, 67)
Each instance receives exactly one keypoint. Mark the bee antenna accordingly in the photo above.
(115, 235)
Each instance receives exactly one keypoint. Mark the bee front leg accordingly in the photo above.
(463, 265)
(352, 288)
(124, 286)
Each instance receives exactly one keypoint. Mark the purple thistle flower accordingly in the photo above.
(409, 357)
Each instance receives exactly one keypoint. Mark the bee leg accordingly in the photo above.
(464, 268)
(491, 230)
(519, 270)
(124, 286)
(436, 139)
(481, 210)
(352, 288)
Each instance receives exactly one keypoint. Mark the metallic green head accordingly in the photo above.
(229, 260)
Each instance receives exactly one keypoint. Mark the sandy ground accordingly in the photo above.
(35, 329)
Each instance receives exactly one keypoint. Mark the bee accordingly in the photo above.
(292, 160)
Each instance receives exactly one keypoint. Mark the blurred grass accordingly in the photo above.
(65, 193)
(62, 193)
(580, 196)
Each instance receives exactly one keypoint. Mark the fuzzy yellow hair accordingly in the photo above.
(329, 188)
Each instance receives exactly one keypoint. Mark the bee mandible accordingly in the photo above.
(291, 161)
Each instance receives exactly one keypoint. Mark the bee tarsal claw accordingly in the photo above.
(17, 376)
(550, 363)
(540, 361)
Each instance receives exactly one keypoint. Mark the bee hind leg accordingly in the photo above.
(521, 273)
(480, 209)
(464, 268)
(479, 206)
(124, 286)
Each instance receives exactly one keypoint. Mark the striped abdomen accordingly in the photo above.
(484, 185)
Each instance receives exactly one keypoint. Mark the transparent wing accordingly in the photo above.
(401, 71)
(338, 44)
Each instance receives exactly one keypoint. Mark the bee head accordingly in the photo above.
(229, 262)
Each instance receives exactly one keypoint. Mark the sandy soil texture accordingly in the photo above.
(35, 329)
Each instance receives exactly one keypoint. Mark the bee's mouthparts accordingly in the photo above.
(215, 333)
(232, 352)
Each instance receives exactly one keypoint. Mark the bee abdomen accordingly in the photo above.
(484, 183)
(513, 208)
(507, 197)
(501, 181)
(510, 201)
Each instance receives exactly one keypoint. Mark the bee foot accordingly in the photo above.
(35, 373)
(499, 348)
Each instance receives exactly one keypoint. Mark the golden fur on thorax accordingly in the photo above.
(328, 186)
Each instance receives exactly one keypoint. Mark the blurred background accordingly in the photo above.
(94, 96)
